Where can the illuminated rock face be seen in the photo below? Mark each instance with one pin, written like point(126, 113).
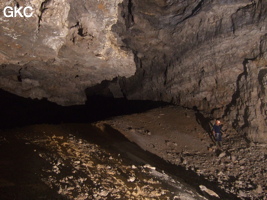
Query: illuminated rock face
point(205, 54)
point(64, 48)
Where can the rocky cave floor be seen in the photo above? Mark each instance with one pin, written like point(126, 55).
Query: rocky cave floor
point(174, 134)
point(101, 161)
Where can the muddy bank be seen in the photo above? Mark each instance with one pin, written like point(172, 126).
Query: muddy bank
point(183, 137)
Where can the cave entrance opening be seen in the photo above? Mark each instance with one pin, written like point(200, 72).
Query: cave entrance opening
point(18, 111)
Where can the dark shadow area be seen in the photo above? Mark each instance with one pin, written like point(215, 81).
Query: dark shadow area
point(18, 111)
point(205, 122)
point(20, 168)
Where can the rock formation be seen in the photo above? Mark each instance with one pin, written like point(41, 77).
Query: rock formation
point(64, 48)
point(210, 55)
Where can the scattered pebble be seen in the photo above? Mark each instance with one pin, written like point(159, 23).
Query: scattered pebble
point(209, 191)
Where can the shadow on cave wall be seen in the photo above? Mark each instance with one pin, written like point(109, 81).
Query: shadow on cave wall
point(205, 122)
point(18, 111)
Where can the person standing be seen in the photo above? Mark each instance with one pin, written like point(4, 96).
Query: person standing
point(217, 131)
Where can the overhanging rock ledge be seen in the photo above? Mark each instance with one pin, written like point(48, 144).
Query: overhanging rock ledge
point(210, 55)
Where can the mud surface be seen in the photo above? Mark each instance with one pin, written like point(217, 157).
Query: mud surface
point(183, 137)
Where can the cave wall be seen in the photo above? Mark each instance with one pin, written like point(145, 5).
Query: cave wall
point(203, 54)
point(64, 48)
point(208, 54)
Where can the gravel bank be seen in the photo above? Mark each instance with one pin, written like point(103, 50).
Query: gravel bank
point(180, 136)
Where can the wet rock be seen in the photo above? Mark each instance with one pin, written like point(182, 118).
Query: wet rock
point(147, 132)
point(70, 188)
point(259, 189)
point(56, 170)
point(233, 158)
point(131, 179)
point(149, 167)
point(167, 142)
point(184, 161)
point(242, 194)
point(208, 191)
point(242, 161)
point(220, 173)
point(104, 193)
point(223, 154)
point(134, 167)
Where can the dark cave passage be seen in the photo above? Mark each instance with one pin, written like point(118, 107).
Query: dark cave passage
point(18, 111)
